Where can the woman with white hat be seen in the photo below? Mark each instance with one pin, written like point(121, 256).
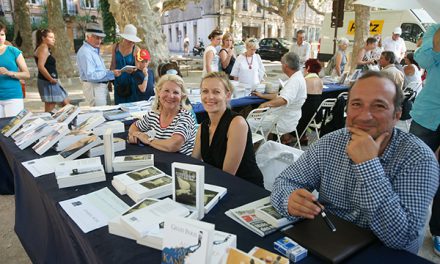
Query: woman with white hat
point(124, 54)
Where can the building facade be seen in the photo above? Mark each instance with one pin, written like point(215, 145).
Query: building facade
point(198, 20)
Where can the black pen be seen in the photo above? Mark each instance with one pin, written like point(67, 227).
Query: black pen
point(326, 219)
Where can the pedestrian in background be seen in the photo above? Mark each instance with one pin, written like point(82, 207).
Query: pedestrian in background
point(227, 56)
point(211, 59)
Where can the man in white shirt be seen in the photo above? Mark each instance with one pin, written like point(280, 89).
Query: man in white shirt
point(395, 44)
point(287, 104)
point(387, 62)
point(301, 48)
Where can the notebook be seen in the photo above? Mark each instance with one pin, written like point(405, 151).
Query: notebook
point(336, 246)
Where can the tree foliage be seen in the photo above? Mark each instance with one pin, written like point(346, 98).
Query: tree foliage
point(108, 22)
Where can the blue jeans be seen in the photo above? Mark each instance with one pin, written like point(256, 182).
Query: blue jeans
point(432, 139)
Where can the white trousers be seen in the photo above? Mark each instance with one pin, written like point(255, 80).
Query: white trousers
point(10, 107)
point(95, 93)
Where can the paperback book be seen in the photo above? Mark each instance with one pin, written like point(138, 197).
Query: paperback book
point(237, 256)
point(121, 181)
point(140, 222)
point(270, 215)
point(115, 226)
point(220, 246)
point(245, 215)
point(132, 162)
point(16, 122)
point(90, 123)
point(116, 115)
point(267, 256)
point(187, 241)
point(80, 147)
point(26, 128)
point(109, 151)
point(67, 114)
point(188, 186)
point(79, 172)
point(153, 187)
point(115, 126)
point(60, 130)
point(29, 138)
point(70, 138)
point(118, 145)
point(84, 115)
point(213, 194)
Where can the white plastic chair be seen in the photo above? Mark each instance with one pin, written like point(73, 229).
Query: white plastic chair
point(325, 106)
point(257, 116)
point(275, 131)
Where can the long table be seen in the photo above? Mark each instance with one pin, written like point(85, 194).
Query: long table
point(50, 236)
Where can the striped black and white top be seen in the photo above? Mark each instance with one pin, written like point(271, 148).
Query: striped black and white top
point(182, 124)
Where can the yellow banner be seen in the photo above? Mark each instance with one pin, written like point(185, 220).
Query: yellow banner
point(375, 27)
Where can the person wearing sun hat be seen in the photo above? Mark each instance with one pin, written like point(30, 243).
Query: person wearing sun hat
point(143, 76)
point(124, 54)
point(92, 71)
point(395, 44)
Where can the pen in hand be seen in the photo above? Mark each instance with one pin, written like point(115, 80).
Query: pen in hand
point(325, 217)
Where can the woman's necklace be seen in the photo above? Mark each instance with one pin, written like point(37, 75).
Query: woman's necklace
point(250, 64)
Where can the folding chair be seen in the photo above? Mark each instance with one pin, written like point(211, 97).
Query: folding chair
point(257, 116)
point(413, 86)
point(325, 107)
point(410, 96)
point(275, 129)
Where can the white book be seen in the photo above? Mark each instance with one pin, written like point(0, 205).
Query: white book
point(15, 122)
point(132, 162)
point(67, 114)
point(60, 130)
point(220, 246)
point(155, 188)
point(118, 145)
point(91, 123)
point(80, 147)
point(84, 115)
point(127, 68)
point(141, 221)
point(79, 172)
point(94, 210)
point(188, 186)
point(116, 127)
point(70, 138)
point(121, 181)
point(116, 114)
point(187, 240)
point(115, 226)
point(27, 127)
point(62, 111)
point(109, 151)
point(245, 215)
point(213, 194)
point(41, 131)
point(42, 166)
point(270, 215)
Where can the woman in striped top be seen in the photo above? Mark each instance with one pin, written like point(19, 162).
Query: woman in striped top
point(169, 126)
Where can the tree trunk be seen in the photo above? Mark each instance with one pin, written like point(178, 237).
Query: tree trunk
point(146, 18)
point(362, 26)
point(22, 28)
point(231, 26)
point(288, 25)
point(63, 47)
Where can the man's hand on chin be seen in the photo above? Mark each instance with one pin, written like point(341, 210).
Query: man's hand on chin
point(362, 147)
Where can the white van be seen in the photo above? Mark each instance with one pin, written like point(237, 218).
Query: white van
point(413, 22)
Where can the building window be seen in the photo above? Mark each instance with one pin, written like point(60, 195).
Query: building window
point(170, 33)
point(35, 2)
point(227, 3)
point(89, 4)
point(245, 5)
point(258, 7)
point(178, 34)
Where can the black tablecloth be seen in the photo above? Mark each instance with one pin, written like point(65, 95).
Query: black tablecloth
point(50, 236)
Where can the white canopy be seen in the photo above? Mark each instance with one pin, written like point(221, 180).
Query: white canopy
point(430, 6)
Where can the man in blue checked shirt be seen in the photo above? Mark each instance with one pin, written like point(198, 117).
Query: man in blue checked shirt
point(92, 71)
point(368, 173)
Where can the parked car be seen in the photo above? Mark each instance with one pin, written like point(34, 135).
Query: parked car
point(273, 48)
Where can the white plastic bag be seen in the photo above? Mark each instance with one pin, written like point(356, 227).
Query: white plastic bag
point(272, 158)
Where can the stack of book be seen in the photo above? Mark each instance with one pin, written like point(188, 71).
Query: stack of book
point(246, 216)
point(79, 172)
point(118, 145)
point(15, 122)
point(60, 130)
point(28, 138)
point(132, 162)
point(116, 115)
point(80, 147)
point(27, 126)
point(115, 126)
point(122, 181)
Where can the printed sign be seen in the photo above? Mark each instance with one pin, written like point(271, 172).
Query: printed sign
point(375, 27)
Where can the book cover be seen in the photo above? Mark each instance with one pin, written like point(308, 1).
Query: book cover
point(187, 241)
point(237, 256)
point(267, 256)
point(220, 246)
point(68, 115)
point(26, 128)
point(60, 130)
point(84, 115)
point(15, 122)
point(80, 147)
point(70, 138)
point(213, 194)
point(156, 187)
point(269, 214)
point(188, 186)
point(29, 138)
point(245, 215)
point(121, 181)
point(116, 127)
point(115, 115)
point(91, 123)
point(109, 151)
point(98, 150)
